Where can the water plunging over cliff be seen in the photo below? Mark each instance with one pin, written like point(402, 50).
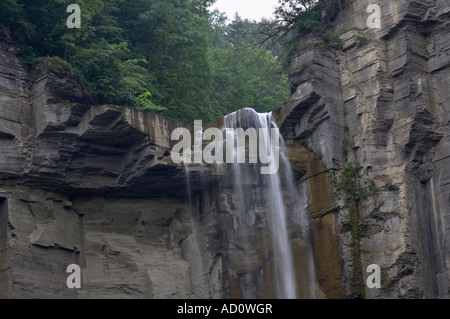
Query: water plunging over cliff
point(259, 201)
point(259, 208)
point(245, 174)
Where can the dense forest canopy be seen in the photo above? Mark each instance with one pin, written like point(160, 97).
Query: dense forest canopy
point(174, 56)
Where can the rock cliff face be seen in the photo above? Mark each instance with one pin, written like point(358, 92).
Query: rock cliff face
point(95, 185)
point(379, 99)
point(89, 186)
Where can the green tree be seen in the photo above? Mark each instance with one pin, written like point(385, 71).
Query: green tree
point(173, 56)
point(248, 78)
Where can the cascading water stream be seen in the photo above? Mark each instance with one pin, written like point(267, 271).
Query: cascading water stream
point(284, 266)
point(275, 190)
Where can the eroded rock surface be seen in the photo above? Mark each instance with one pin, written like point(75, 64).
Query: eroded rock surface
point(94, 185)
point(88, 185)
point(383, 94)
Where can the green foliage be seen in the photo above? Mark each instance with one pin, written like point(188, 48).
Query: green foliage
point(310, 20)
point(346, 144)
point(347, 140)
point(304, 143)
point(56, 62)
point(363, 40)
point(172, 56)
point(113, 75)
point(247, 77)
point(294, 17)
point(350, 185)
point(373, 189)
point(303, 15)
point(145, 103)
point(333, 38)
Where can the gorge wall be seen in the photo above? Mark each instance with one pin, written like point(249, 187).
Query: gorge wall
point(378, 99)
point(95, 185)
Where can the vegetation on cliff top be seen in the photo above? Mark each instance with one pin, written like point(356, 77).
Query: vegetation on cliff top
point(174, 56)
point(169, 55)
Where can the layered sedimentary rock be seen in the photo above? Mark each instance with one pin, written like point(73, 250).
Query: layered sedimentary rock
point(378, 98)
point(94, 185)
point(87, 185)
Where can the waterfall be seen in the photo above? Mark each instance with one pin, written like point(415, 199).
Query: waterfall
point(273, 192)
point(271, 186)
